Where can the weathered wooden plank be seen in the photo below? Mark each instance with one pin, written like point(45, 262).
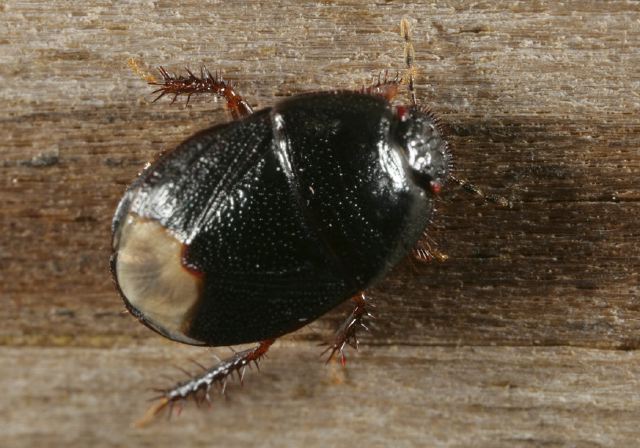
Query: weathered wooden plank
point(542, 100)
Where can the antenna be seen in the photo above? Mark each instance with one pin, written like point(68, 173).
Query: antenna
point(409, 56)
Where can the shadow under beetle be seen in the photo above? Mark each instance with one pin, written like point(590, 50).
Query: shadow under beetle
point(252, 229)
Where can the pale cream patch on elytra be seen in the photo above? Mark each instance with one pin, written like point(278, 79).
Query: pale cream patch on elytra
point(152, 277)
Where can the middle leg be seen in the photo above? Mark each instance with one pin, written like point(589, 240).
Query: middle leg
point(346, 333)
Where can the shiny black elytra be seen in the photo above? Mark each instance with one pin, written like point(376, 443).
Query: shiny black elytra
point(251, 229)
point(270, 221)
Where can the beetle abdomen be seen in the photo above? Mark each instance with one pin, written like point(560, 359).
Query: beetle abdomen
point(152, 277)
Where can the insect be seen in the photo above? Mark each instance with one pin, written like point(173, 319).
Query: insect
point(251, 229)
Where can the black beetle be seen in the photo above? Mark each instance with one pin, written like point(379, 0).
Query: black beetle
point(251, 229)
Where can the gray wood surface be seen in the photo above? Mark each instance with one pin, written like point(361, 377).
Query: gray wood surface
point(526, 336)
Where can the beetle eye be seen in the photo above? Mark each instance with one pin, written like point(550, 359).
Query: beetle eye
point(402, 112)
point(435, 186)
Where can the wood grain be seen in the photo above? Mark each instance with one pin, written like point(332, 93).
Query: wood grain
point(392, 396)
point(543, 101)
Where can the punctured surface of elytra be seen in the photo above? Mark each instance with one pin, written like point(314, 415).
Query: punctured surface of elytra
point(253, 228)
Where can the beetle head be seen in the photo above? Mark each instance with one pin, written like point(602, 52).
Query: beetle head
point(424, 146)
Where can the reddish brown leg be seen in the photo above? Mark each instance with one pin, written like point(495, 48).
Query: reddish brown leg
point(346, 334)
point(383, 86)
point(191, 84)
point(199, 386)
point(426, 250)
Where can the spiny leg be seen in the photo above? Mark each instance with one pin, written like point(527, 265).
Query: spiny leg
point(383, 86)
point(191, 84)
point(388, 88)
point(346, 333)
point(199, 386)
point(426, 250)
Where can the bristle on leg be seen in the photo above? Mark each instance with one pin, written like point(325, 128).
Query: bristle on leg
point(347, 333)
point(383, 86)
point(198, 386)
point(192, 84)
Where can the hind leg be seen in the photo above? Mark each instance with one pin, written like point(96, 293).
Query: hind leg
point(199, 386)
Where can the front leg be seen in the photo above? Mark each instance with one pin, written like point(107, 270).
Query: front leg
point(426, 250)
point(191, 84)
